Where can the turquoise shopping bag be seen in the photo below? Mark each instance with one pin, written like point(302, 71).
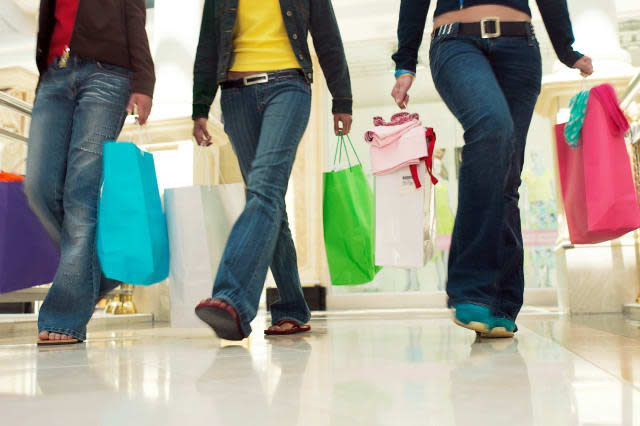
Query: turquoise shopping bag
point(133, 246)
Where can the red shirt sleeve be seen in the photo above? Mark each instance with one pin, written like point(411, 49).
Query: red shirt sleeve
point(65, 14)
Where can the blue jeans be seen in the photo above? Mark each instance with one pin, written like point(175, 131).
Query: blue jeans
point(265, 123)
point(77, 109)
point(491, 86)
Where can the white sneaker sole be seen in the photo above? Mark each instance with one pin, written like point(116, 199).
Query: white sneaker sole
point(478, 327)
point(498, 333)
point(483, 330)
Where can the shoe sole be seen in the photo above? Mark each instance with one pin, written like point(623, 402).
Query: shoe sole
point(478, 327)
point(221, 321)
point(58, 342)
point(498, 333)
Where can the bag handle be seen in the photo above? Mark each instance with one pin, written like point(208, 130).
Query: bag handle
point(578, 109)
point(142, 137)
point(343, 145)
point(204, 156)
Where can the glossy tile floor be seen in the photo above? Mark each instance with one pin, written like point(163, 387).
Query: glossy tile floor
point(403, 368)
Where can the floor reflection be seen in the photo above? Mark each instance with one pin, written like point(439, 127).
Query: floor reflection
point(478, 384)
point(353, 370)
point(285, 365)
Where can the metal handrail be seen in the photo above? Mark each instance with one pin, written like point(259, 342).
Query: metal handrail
point(631, 91)
point(15, 104)
point(14, 137)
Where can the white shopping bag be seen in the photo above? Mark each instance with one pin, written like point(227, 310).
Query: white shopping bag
point(405, 219)
point(199, 220)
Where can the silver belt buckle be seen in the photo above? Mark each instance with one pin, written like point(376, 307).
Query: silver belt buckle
point(483, 27)
point(259, 78)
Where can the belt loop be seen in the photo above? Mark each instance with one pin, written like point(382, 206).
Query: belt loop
point(455, 29)
point(530, 35)
point(447, 30)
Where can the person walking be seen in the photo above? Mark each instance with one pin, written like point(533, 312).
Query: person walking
point(95, 67)
point(257, 52)
point(486, 65)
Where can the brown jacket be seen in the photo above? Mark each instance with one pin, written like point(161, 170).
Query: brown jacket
point(110, 31)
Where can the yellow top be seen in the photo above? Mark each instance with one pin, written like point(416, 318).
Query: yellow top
point(260, 40)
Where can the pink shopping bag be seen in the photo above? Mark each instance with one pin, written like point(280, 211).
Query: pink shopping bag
point(600, 199)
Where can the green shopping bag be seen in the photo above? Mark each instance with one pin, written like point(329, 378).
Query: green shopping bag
point(348, 222)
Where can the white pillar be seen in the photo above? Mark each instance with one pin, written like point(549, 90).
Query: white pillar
point(18, 41)
point(595, 26)
point(176, 29)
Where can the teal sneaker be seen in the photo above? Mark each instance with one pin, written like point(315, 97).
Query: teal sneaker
point(501, 328)
point(473, 317)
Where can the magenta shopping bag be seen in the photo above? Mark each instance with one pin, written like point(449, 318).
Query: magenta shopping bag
point(28, 257)
point(600, 199)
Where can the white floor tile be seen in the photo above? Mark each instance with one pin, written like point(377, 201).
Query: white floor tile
point(348, 371)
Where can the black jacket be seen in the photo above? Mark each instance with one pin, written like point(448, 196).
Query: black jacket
point(214, 56)
point(110, 31)
point(413, 16)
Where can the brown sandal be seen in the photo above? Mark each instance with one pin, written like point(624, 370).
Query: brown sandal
point(297, 328)
point(47, 342)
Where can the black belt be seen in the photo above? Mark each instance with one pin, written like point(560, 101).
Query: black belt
point(488, 28)
point(261, 78)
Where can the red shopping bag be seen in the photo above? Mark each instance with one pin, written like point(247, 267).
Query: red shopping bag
point(600, 199)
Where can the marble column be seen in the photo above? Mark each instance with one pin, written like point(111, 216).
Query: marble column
point(175, 31)
point(595, 27)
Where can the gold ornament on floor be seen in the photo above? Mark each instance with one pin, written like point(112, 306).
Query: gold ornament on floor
point(128, 307)
point(114, 305)
point(121, 303)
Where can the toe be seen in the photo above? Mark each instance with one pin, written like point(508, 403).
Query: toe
point(286, 326)
point(44, 335)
